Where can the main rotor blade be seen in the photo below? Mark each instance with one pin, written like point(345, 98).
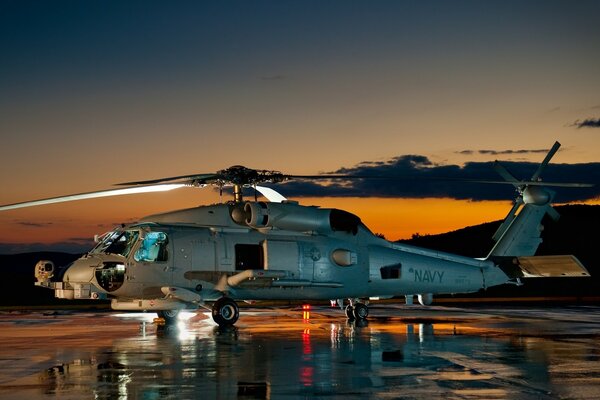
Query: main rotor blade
point(535, 183)
point(513, 181)
point(194, 177)
point(549, 156)
point(245, 176)
point(271, 195)
point(93, 195)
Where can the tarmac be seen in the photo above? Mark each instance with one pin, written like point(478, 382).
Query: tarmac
point(400, 352)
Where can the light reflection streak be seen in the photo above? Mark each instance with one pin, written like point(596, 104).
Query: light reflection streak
point(306, 371)
point(386, 358)
point(150, 316)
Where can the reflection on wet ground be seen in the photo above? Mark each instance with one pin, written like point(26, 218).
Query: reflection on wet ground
point(402, 352)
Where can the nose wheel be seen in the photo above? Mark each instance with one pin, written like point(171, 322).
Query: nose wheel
point(225, 311)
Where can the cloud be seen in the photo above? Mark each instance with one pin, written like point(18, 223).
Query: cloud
point(34, 224)
point(81, 240)
point(587, 123)
point(414, 176)
point(65, 247)
point(502, 152)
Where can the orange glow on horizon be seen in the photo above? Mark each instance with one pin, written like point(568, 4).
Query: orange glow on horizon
point(401, 218)
point(394, 218)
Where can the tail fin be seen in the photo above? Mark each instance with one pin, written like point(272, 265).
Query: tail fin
point(520, 233)
point(523, 235)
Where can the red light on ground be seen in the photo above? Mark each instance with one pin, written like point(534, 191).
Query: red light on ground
point(306, 375)
point(306, 346)
point(306, 312)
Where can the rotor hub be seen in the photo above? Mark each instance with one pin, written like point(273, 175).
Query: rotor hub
point(240, 175)
point(536, 195)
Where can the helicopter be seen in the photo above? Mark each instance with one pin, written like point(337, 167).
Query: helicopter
point(214, 256)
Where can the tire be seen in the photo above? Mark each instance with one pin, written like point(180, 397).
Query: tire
point(350, 312)
point(170, 316)
point(225, 311)
point(361, 311)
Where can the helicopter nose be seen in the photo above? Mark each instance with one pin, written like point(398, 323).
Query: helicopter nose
point(81, 270)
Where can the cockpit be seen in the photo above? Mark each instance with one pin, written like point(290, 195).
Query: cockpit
point(152, 244)
point(139, 243)
point(119, 242)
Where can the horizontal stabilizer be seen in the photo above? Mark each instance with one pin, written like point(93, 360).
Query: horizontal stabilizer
point(551, 266)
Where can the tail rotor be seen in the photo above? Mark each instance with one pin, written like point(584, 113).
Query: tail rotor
point(533, 201)
point(529, 192)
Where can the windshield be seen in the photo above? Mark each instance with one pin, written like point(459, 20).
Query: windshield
point(117, 242)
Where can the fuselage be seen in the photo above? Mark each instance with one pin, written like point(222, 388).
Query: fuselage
point(287, 252)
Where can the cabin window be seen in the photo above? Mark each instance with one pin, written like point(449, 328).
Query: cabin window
point(249, 256)
point(153, 248)
point(391, 271)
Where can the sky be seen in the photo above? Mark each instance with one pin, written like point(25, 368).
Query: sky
point(93, 93)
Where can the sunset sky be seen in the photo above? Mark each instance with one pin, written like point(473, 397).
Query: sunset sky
point(94, 93)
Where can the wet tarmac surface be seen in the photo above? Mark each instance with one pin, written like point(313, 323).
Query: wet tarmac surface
point(403, 352)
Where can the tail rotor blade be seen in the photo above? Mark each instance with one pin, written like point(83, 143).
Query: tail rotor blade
point(503, 172)
point(542, 166)
point(552, 213)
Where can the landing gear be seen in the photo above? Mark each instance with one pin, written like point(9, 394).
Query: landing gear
point(350, 312)
point(225, 311)
point(170, 316)
point(361, 311)
point(357, 311)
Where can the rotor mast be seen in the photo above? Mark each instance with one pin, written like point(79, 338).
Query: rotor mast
point(237, 193)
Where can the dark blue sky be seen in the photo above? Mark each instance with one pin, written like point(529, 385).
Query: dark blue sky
point(98, 92)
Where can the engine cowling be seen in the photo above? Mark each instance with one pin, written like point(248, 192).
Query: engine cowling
point(257, 215)
point(294, 217)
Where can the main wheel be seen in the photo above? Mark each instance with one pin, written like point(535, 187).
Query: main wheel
point(350, 312)
point(225, 311)
point(361, 311)
point(170, 316)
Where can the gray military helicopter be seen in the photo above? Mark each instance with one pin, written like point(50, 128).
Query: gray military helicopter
point(215, 255)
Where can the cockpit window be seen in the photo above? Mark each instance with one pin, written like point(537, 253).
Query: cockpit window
point(117, 242)
point(153, 248)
